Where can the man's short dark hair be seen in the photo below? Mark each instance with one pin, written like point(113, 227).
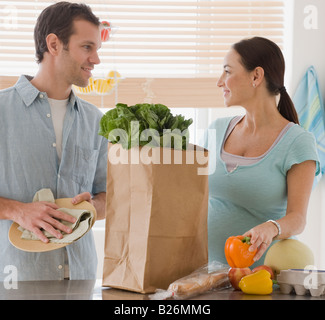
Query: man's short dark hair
point(58, 19)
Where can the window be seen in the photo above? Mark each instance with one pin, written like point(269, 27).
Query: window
point(167, 51)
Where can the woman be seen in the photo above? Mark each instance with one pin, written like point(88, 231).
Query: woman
point(265, 163)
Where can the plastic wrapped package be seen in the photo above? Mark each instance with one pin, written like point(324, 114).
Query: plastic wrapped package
point(212, 276)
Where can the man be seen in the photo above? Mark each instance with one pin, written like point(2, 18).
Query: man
point(49, 139)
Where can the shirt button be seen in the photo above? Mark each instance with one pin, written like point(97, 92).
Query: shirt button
point(41, 95)
point(48, 115)
point(53, 144)
point(59, 176)
point(60, 266)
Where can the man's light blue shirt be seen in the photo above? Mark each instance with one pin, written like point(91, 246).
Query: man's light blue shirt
point(29, 162)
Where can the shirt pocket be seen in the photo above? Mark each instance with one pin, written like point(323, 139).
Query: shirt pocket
point(84, 167)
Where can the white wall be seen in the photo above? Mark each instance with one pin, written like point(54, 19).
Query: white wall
point(307, 28)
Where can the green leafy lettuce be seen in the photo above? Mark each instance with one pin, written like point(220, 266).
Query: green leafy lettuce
point(145, 124)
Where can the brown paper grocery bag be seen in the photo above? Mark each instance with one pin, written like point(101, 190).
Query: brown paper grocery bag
point(156, 216)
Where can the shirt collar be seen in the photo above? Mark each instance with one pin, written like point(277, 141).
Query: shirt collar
point(74, 100)
point(29, 93)
point(26, 90)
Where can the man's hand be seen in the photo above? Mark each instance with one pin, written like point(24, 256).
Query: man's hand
point(42, 215)
point(85, 196)
point(98, 201)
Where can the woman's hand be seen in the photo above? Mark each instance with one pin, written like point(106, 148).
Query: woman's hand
point(261, 237)
point(300, 181)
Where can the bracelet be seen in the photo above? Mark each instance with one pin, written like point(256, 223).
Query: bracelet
point(277, 225)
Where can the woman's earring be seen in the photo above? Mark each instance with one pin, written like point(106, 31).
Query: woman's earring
point(254, 85)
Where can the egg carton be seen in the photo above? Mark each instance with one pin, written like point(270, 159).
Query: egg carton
point(302, 281)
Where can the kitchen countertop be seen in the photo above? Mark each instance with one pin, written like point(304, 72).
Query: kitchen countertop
point(92, 290)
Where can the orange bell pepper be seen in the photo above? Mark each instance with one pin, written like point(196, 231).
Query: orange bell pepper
point(237, 253)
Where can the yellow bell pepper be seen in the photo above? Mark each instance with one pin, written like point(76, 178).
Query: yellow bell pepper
point(257, 283)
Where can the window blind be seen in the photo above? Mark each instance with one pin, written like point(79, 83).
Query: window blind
point(166, 51)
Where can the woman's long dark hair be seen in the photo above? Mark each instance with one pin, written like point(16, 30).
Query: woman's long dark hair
point(262, 52)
